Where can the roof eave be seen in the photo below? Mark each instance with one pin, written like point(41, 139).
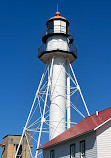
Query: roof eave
point(66, 140)
point(102, 124)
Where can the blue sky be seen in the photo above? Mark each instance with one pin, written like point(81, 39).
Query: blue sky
point(21, 25)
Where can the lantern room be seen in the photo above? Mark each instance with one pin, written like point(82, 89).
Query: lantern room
point(57, 40)
point(56, 24)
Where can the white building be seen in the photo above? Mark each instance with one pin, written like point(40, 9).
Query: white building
point(90, 138)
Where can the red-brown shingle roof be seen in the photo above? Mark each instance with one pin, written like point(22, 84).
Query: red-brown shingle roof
point(86, 125)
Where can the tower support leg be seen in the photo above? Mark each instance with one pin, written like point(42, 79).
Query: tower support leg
point(42, 119)
point(30, 114)
point(78, 87)
point(68, 97)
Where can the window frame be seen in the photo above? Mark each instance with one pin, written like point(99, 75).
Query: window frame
point(83, 141)
point(74, 150)
point(19, 154)
point(53, 153)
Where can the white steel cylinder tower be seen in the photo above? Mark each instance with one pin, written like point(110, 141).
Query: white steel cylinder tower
point(58, 46)
point(51, 108)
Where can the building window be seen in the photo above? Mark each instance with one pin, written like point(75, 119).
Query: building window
point(82, 149)
point(72, 151)
point(11, 140)
point(52, 154)
point(19, 154)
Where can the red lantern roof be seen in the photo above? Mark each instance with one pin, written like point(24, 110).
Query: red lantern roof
point(57, 16)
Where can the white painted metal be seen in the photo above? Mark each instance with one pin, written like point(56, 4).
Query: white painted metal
point(58, 99)
point(68, 97)
point(28, 145)
point(42, 119)
point(78, 87)
point(30, 113)
point(97, 113)
point(54, 114)
point(57, 43)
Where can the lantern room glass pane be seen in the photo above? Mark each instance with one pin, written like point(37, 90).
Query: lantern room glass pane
point(67, 28)
point(63, 27)
point(57, 26)
point(50, 27)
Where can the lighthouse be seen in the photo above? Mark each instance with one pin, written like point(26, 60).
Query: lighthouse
point(50, 113)
point(58, 51)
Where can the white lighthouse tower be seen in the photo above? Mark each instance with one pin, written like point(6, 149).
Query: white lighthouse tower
point(58, 44)
point(50, 112)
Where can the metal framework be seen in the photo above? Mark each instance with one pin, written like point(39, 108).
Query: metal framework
point(38, 120)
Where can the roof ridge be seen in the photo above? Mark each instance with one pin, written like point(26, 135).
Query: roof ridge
point(87, 124)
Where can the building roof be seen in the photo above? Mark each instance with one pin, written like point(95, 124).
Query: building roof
point(57, 16)
point(12, 135)
point(86, 125)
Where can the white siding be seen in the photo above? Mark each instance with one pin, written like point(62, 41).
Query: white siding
point(104, 141)
point(63, 150)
